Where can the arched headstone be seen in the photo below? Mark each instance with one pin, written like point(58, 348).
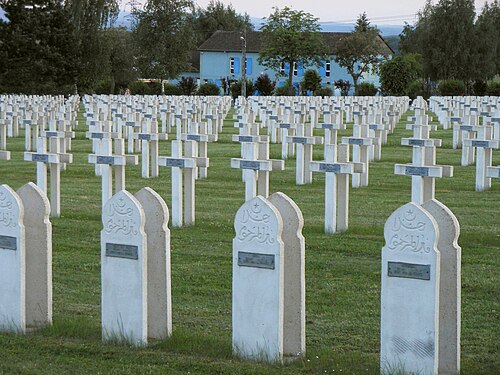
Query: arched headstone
point(159, 274)
point(12, 262)
point(124, 270)
point(38, 243)
point(410, 292)
point(258, 292)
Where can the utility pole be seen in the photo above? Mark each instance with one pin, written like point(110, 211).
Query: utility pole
point(244, 63)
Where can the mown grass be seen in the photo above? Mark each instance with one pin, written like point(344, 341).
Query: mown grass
point(342, 271)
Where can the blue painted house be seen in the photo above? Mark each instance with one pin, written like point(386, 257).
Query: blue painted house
point(221, 60)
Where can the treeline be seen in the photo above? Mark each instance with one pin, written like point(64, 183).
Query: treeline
point(68, 46)
point(450, 50)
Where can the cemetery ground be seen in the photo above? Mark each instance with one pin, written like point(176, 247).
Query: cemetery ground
point(342, 270)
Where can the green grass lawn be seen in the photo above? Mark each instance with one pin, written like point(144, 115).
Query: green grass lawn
point(342, 271)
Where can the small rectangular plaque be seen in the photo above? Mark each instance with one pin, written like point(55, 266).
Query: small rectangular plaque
point(256, 260)
point(27, 122)
point(302, 140)
point(466, 128)
point(129, 123)
point(193, 137)
point(41, 158)
point(122, 251)
point(329, 168)
point(284, 126)
point(105, 160)
point(248, 164)
point(144, 137)
point(148, 115)
point(179, 163)
point(416, 142)
point(356, 141)
point(483, 144)
point(409, 270)
point(51, 134)
point(273, 117)
point(97, 135)
point(373, 126)
point(327, 126)
point(8, 243)
point(245, 138)
point(417, 171)
point(118, 115)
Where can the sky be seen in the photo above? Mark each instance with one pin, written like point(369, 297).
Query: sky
point(378, 11)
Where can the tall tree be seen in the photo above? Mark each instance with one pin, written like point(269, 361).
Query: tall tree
point(163, 36)
point(359, 52)
point(487, 46)
point(218, 16)
point(38, 48)
point(291, 37)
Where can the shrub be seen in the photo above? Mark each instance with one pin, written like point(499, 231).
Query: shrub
point(103, 87)
point(138, 88)
point(236, 89)
point(171, 89)
point(264, 85)
point(493, 89)
point(187, 86)
point(154, 88)
point(343, 85)
point(208, 89)
point(285, 90)
point(451, 87)
point(324, 91)
point(311, 81)
point(480, 87)
point(366, 89)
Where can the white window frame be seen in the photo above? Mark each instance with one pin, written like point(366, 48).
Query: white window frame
point(231, 65)
point(295, 69)
point(328, 69)
point(282, 67)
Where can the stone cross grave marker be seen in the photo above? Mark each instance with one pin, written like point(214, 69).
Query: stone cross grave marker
point(149, 138)
point(183, 182)
point(198, 133)
point(124, 270)
point(336, 185)
point(4, 154)
point(304, 141)
point(159, 293)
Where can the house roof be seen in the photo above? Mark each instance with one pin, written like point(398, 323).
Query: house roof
point(230, 41)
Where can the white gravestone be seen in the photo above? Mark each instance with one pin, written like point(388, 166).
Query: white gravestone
point(159, 274)
point(124, 270)
point(294, 315)
point(410, 292)
point(38, 244)
point(450, 285)
point(258, 275)
point(12, 262)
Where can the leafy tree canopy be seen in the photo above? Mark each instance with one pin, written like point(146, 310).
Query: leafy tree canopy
point(291, 36)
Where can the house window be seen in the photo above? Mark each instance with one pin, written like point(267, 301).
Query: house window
point(282, 68)
point(231, 65)
point(327, 69)
point(295, 70)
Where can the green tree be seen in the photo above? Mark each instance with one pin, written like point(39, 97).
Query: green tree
point(264, 85)
point(397, 74)
point(487, 46)
point(163, 36)
point(311, 81)
point(291, 37)
point(218, 16)
point(38, 48)
point(359, 53)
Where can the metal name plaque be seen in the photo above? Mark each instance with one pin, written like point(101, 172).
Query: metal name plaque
point(97, 135)
point(179, 163)
point(256, 260)
point(273, 117)
point(41, 158)
point(356, 141)
point(466, 128)
point(8, 243)
point(483, 144)
point(329, 168)
point(129, 123)
point(244, 138)
point(27, 122)
point(105, 160)
point(416, 142)
point(373, 126)
point(144, 137)
point(193, 137)
point(327, 126)
point(302, 140)
point(51, 134)
point(409, 270)
point(122, 251)
point(417, 171)
point(247, 164)
point(284, 126)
